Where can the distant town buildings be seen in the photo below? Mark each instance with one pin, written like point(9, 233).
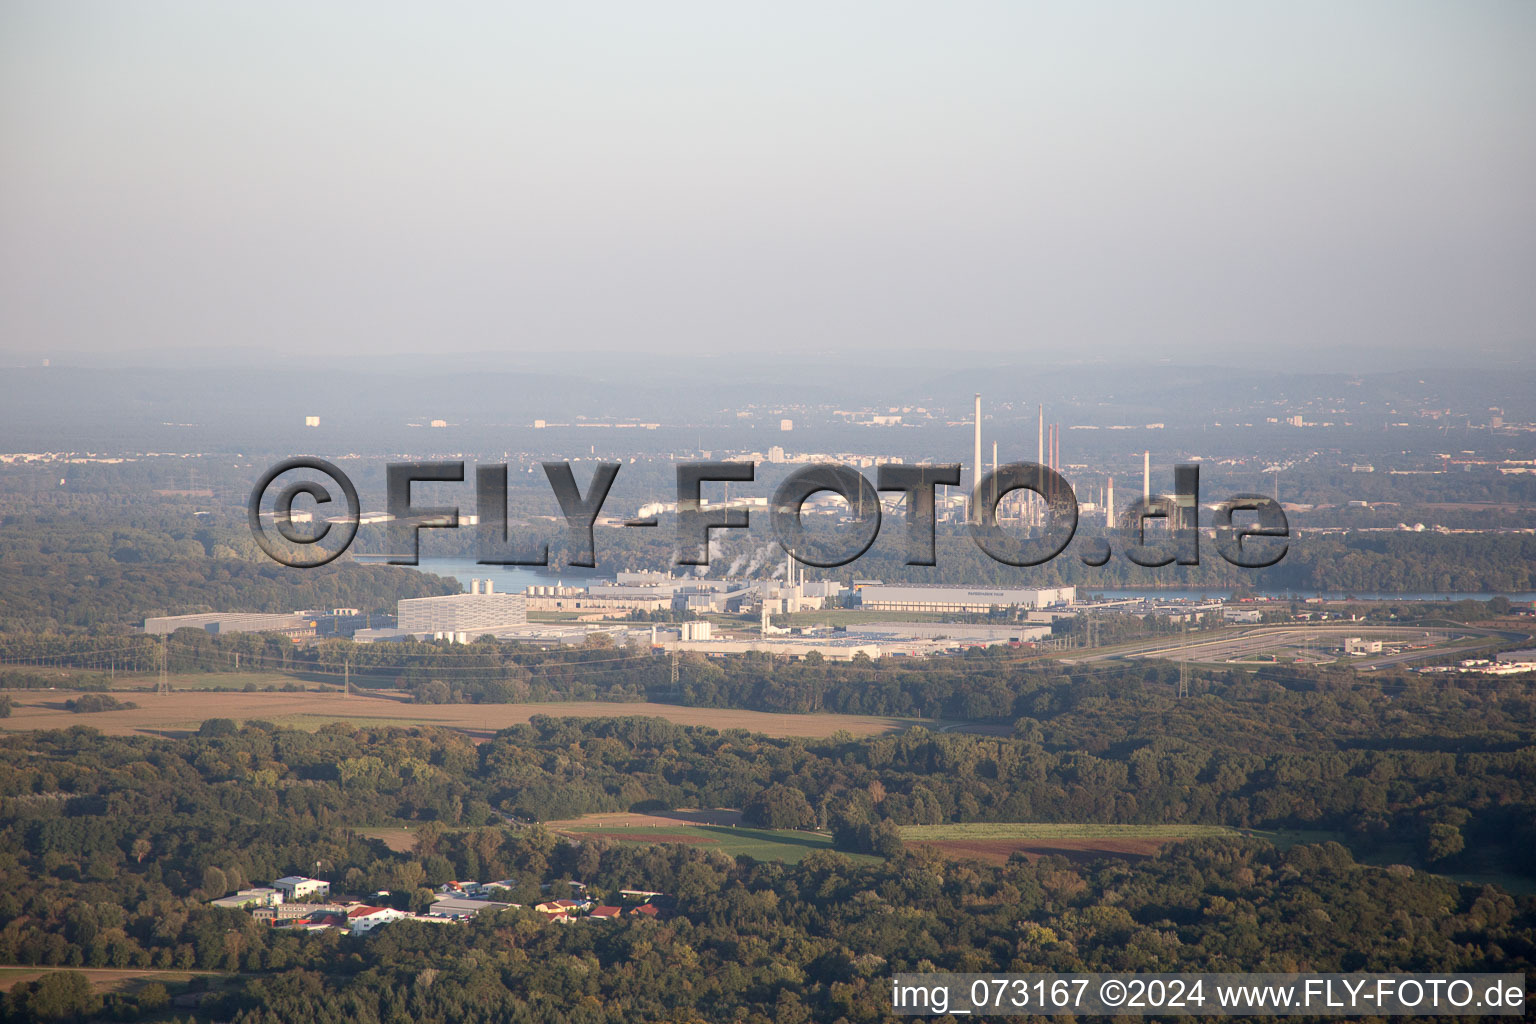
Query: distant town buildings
point(455, 902)
point(1507, 663)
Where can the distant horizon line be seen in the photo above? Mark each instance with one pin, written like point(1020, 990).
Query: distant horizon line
point(954, 360)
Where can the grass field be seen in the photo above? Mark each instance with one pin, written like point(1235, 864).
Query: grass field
point(182, 711)
point(398, 838)
point(1045, 830)
point(219, 681)
point(786, 845)
point(996, 842)
point(105, 980)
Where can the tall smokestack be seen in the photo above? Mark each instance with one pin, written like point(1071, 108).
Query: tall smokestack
point(1109, 504)
point(1040, 459)
point(993, 496)
point(1146, 477)
point(976, 482)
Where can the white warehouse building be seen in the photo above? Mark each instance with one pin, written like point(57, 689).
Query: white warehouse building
point(297, 888)
point(881, 597)
point(475, 612)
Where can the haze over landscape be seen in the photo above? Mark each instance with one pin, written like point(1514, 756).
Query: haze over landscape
point(1248, 185)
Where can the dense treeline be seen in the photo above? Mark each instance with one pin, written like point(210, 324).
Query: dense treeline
point(56, 574)
point(996, 684)
point(435, 672)
point(1384, 765)
point(109, 846)
point(763, 942)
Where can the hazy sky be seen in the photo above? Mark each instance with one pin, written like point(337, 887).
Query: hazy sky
point(1218, 181)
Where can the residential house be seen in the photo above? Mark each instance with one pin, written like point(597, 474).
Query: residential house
point(363, 919)
point(555, 908)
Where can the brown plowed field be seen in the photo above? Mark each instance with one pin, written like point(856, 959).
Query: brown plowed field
point(997, 851)
point(180, 713)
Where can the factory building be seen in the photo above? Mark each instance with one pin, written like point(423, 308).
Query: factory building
point(581, 599)
point(296, 888)
point(887, 598)
point(959, 634)
point(707, 597)
point(535, 634)
point(479, 611)
point(297, 627)
point(687, 632)
point(843, 648)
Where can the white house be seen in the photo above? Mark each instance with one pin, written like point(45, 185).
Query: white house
point(364, 919)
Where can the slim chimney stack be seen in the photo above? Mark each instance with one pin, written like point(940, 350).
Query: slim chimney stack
point(993, 495)
point(1040, 459)
point(976, 481)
